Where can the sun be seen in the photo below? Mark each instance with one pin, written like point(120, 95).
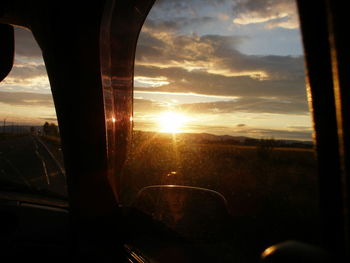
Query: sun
point(171, 122)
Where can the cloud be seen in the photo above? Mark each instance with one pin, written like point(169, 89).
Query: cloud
point(25, 44)
point(212, 54)
point(238, 130)
point(247, 105)
point(250, 105)
point(151, 82)
point(188, 51)
point(25, 77)
point(146, 110)
point(184, 5)
point(28, 71)
point(49, 119)
point(271, 13)
point(201, 82)
point(26, 99)
point(175, 23)
point(274, 13)
point(142, 106)
point(212, 65)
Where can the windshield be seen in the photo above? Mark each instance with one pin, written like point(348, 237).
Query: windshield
point(31, 160)
point(220, 104)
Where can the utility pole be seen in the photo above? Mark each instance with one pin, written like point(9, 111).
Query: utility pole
point(3, 127)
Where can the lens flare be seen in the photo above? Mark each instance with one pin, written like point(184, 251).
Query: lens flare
point(171, 122)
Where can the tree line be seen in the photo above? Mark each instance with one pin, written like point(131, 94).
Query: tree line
point(50, 129)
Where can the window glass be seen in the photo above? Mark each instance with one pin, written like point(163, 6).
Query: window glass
point(222, 143)
point(31, 159)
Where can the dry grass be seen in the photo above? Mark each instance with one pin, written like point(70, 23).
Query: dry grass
point(276, 188)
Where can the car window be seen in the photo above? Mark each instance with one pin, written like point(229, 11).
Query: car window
point(31, 159)
point(223, 138)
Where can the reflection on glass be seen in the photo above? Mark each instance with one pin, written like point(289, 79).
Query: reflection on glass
point(220, 103)
point(31, 160)
point(192, 212)
point(175, 202)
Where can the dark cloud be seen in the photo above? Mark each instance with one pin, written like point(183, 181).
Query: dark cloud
point(275, 13)
point(149, 47)
point(181, 48)
point(26, 99)
point(164, 25)
point(225, 53)
point(222, 71)
point(177, 23)
point(184, 5)
point(213, 65)
point(251, 105)
point(201, 82)
point(28, 71)
point(214, 53)
point(25, 44)
point(262, 7)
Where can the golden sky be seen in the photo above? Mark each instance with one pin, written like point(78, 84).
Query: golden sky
point(231, 67)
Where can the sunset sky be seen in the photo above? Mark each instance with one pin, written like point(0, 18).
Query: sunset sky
point(226, 66)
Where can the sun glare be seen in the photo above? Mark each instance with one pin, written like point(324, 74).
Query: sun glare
point(171, 122)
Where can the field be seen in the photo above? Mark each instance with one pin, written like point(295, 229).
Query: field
point(273, 190)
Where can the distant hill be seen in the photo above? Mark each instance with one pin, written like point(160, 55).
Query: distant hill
point(205, 138)
point(226, 139)
point(201, 137)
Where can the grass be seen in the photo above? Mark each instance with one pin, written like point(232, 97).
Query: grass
point(275, 188)
point(7, 136)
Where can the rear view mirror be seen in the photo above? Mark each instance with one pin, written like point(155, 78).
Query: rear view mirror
point(7, 49)
point(193, 212)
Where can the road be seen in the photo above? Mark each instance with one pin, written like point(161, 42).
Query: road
point(26, 163)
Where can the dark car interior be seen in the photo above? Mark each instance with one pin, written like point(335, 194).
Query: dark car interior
point(98, 39)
